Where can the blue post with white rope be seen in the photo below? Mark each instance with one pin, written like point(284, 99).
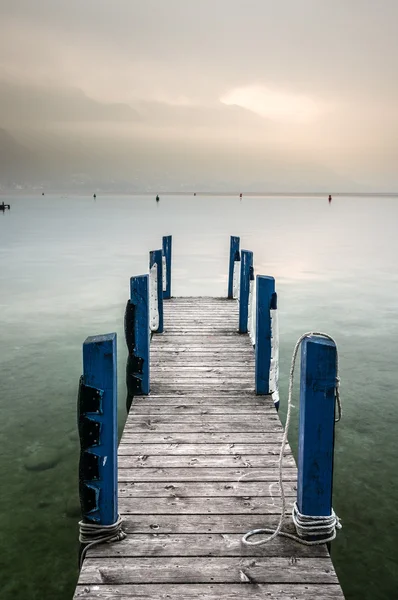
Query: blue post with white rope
point(245, 266)
point(167, 241)
point(264, 303)
point(97, 421)
point(155, 257)
point(234, 248)
point(316, 426)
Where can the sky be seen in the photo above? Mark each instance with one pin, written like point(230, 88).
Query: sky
point(211, 94)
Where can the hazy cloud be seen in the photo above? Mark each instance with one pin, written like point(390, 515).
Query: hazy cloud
point(309, 83)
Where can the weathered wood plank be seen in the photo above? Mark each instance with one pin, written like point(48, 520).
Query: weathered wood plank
point(176, 524)
point(208, 489)
point(270, 420)
point(238, 505)
point(212, 591)
point(208, 570)
point(209, 544)
point(185, 409)
point(142, 402)
point(208, 461)
point(201, 438)
point(171, 449)
point(170, 425)
point(195, 474)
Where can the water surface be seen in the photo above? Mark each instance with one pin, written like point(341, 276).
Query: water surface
point(64, 275)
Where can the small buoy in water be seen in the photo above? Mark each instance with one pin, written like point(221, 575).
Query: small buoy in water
point(240, 195)
point(157, 198)
point(194, 193)
point(94, 195)
point(42, 193)
point(330, 198)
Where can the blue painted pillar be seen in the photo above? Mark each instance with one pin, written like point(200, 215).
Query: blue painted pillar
point(155, 256)
point(167, 242)
point(316, 426)
point(97, 421)
point(264, 302)
point(234, 248)
point(245, 268)
point(136, 326)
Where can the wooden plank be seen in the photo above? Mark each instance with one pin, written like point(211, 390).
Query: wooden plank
point(207, 570)
point(182, 409)
point(208, 489)
point(272, 420)
point(201, 438)
point(211, 591)
point(199, 402)
point(238, 505)
point(210, 460)
point(172, 449)
point(209, 544)
point(203, 523)
point(169, 425)
point(195, 474)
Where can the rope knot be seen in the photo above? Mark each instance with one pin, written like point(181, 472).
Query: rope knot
point(92, 534)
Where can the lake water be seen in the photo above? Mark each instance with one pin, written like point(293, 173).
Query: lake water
point(65, 265)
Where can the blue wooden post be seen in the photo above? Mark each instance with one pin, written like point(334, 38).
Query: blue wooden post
point(245, 267)
point(316, 426)
point(97, 420)
point(167, 241)
point(155, 256)
point(234, 248)
point(264, 302)
point(136, 326)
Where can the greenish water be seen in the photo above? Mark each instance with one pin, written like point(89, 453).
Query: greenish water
point(65, 265)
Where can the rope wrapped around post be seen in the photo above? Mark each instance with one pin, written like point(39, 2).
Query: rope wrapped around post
point(311, 529)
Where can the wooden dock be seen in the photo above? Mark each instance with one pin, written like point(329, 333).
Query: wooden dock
point(197, 470)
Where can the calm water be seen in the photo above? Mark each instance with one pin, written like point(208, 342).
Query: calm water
point(65, 265)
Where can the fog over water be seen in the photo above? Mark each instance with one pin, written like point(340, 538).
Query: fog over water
point(222, 95)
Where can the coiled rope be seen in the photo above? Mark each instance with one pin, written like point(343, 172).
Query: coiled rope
point(93, 534)
point(305, 524)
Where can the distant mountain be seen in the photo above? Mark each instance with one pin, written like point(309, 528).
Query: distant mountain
point(16, 161)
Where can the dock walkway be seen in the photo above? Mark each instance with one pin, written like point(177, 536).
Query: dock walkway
point(197, 470)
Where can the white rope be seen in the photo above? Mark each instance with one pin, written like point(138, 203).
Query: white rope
point(236, 280)
point(305, 524)
point(93, 534)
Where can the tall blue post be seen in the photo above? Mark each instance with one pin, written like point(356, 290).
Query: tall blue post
point(245, 269)
point(97, 421)
point(155, 256)
point(234, 248)
point(316, 426)
point(264, 302)
point(136, 326)
point(167, 241)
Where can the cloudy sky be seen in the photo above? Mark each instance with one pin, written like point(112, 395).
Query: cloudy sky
point(294, 94)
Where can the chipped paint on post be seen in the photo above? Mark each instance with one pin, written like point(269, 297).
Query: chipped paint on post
point(274, 365)
point(164, 272)
point(236, 276)
point(155, 258)
point(153, 298)
point(166, 247)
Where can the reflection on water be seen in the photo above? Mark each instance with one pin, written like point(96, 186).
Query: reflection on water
point(64, 275)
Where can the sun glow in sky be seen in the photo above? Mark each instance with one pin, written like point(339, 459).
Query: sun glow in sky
point(273, 104)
